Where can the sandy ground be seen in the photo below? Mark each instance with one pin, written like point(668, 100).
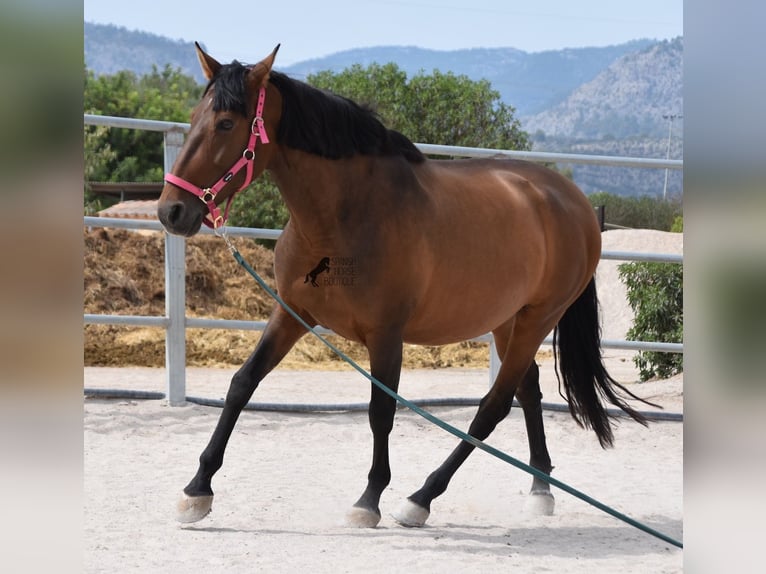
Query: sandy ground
point(288, 479)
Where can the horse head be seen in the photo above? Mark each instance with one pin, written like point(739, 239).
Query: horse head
point(227, 146)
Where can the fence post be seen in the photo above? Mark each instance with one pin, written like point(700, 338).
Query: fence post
point(601, 213)
point(175, 295)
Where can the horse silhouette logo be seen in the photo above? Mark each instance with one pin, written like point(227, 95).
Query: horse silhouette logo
point(324, 265)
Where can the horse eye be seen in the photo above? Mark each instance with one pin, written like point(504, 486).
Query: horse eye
point(224, 125)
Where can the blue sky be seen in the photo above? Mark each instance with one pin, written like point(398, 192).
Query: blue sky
point(248, 30)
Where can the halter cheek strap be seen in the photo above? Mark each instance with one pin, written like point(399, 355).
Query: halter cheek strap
point(207, 195)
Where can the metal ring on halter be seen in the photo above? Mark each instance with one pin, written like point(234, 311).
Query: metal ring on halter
point(207, 195)
point(253, 130)
point(251, 155)
point(218, 222)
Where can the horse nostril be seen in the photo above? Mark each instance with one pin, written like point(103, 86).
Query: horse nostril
point(171, 213)
point(176, 211)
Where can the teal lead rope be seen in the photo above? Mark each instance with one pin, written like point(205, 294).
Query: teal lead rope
point(440, 423)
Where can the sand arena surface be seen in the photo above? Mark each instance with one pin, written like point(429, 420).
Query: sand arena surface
point(288, 480)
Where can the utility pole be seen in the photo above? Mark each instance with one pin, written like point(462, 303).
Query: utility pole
point(670, 118)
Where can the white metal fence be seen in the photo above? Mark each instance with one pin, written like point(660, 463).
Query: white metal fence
point(175, 322)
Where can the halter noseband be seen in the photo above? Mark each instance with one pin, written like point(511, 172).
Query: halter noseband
point(214, 219)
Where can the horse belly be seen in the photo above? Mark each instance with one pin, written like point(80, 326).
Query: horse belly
point(466, 304)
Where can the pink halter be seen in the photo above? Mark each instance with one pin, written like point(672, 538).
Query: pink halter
point(214, 219)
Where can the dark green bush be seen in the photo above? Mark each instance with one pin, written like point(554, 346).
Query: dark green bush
point(259, 205)
point(655, 293)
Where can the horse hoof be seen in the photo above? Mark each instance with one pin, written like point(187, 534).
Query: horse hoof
point(411, 515)
point(362, 518)
point(193, 508)
point(539, 503)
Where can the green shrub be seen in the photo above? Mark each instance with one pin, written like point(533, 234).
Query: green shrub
point(655, 293)
point(259, 205)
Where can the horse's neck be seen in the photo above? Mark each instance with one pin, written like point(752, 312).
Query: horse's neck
point(314, 189)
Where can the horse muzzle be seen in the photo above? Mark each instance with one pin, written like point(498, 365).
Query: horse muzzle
point(179, 218)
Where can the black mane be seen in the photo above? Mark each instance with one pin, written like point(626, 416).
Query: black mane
point(230, 88)
point(316, 121)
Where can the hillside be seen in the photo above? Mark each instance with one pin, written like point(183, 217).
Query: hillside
point(620, 112)
point(629, 97)
point(621, 180)
point(111, 49)
point(531, 82)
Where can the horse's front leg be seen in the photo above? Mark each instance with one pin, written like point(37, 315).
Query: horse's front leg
point(279, 336)
point(385, 365)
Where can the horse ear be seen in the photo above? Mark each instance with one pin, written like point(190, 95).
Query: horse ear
point(260, 72)
point(210, 65)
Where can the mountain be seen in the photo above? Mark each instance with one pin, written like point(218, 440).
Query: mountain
point(629, 97)
point(111, 49)
point(623, 111)
point(530, 82)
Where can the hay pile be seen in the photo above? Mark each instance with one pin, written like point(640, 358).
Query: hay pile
point(124, 274)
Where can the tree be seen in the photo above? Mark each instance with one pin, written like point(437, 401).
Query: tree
point(440, 108)
point(97, 154)
point(136, 155)
point(454, 110)
point(380, 88)
point(656, 295)
point(259, 205)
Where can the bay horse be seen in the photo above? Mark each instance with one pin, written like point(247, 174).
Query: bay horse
point(526, 238)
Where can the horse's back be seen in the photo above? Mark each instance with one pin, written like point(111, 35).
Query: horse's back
point(517, 185)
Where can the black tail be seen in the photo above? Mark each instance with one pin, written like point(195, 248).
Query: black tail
point(577, 349)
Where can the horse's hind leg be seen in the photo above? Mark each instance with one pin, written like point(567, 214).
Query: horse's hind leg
point(281, 333)
point(385, 365)
point(540, 500)
point(493, 408)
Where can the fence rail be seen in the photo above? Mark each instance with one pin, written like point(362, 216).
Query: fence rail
point(431, 149)
point(175, 321)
